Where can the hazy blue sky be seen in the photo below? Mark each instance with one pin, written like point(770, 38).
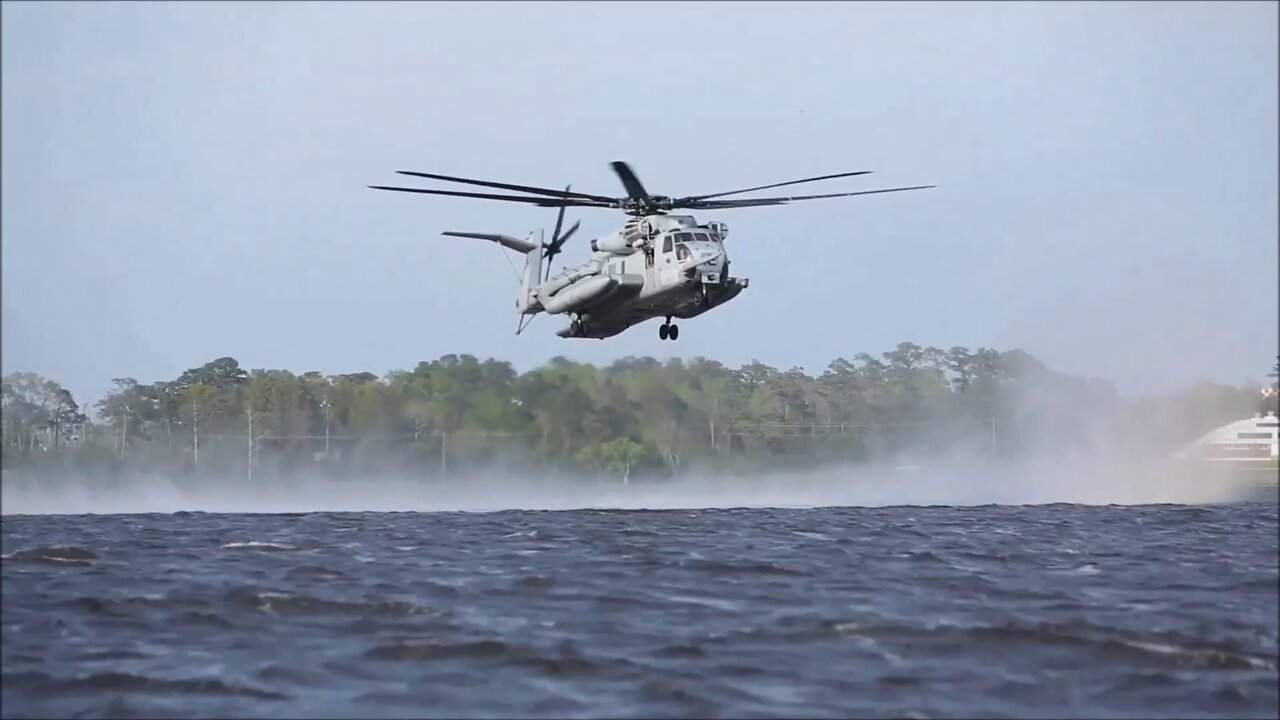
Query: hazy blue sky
point(186, 181)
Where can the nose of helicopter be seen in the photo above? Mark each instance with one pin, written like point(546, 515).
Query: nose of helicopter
point(704, 265)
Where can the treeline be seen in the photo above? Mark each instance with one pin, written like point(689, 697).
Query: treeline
point(637, 415)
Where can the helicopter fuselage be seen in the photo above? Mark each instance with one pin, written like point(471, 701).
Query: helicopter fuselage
point(655, 266)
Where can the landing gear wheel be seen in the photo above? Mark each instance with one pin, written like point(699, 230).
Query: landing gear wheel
point(576, 328)
point(662, 332)
point(674, 332)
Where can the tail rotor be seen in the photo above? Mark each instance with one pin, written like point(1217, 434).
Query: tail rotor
point(557, 240)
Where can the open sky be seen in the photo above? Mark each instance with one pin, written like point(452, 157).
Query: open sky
point(186, 181)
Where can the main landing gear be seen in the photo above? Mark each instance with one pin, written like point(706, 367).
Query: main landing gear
point(668, 330)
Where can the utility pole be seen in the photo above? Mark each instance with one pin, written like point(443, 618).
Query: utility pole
point(249, 410)
point(195, 433)
point(84, 425)
point(715, 408)
point(124, 430)
point(325, 404)
point(444, 440)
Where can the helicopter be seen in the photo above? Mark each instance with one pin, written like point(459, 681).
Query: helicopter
point(657, 265)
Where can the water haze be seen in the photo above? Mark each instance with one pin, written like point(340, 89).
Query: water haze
point(955, 482)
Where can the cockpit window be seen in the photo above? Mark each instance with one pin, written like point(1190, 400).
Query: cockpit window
point(682, 252)
point(704, 237)
point(666, 244)
point(684, 237)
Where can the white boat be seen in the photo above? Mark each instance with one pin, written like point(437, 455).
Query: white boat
point(1254, 440)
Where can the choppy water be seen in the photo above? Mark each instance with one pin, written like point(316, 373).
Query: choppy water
point(1058, 610)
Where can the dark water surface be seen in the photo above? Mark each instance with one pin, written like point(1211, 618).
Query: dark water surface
point(1058, 610)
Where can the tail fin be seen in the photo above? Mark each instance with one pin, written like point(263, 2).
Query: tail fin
point(528, 303)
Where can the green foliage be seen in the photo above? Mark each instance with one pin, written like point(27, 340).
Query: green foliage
point(637, 416)
point(37, 412)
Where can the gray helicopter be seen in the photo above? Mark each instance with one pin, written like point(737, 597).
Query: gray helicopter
point(658, 265)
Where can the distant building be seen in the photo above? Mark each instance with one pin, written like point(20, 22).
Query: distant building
point(1254, 440)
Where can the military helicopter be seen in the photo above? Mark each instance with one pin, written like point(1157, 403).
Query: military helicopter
point(658, 265)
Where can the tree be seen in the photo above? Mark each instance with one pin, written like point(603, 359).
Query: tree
point(634, 413)
point(200, 402)
point(620, 454)
point(26, 409)
point(960, 362)
point(128, 409)
point(220, 374)
point(37, 411)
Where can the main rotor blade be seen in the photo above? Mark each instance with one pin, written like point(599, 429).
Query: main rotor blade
point(509, 186)
point(543, 202)
point(635, 190)
point(727, 204)
point(766, 187)
point(760, 202)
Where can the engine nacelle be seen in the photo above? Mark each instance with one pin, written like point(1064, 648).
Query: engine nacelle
point(613, 243)
point(719, 228)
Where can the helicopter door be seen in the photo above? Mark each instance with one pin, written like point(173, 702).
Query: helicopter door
point(667, 271)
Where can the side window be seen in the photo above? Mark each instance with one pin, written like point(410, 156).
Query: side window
point(666, 244)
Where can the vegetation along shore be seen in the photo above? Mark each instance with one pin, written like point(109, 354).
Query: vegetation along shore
point(634, 417)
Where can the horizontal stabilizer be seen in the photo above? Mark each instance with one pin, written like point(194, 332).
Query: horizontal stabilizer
point(516, 244)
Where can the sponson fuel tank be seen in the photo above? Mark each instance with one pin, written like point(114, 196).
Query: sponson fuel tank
point(580, 294)
point(567, 277)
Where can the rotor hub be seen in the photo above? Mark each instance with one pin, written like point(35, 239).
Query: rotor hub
point(653, 205)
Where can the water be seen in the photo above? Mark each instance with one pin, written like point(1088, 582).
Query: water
point(1055, 610)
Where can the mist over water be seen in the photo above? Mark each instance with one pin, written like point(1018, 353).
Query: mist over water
point(1067, 451)
point(956, 481)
